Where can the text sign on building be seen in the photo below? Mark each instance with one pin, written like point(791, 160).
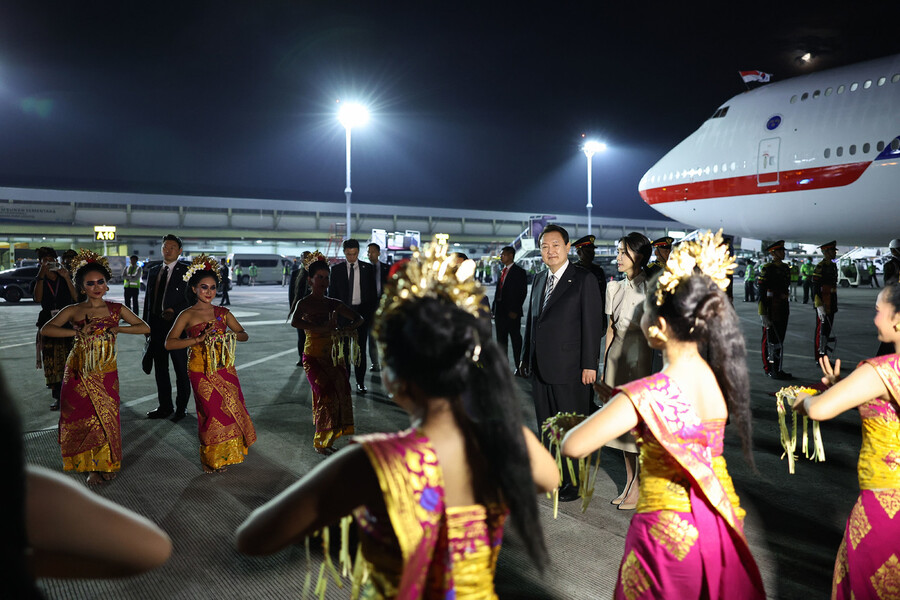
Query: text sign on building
point(105, 233)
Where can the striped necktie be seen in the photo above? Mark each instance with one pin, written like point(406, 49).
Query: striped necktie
point(548, 289)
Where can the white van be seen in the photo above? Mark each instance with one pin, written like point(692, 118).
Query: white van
point(271, 267)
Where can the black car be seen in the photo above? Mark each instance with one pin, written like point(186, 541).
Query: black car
point(18, 283)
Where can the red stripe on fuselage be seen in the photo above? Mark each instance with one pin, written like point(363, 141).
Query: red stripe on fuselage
point(788, 181)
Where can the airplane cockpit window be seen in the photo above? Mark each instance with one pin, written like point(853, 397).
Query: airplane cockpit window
point(720, 113)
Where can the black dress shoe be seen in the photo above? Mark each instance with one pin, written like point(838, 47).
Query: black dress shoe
point(179, 415)
point(785, 375)
point(375, 368)
point(159, 413)
point(361, 389)
point(568, 493)
point(778, 375)
point(55, 405)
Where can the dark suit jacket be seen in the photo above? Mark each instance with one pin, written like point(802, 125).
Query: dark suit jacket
point(297, 288)
point(512, 295)
point(383, 270)
point(564, 338)
point(339, 287)
point(175, 297)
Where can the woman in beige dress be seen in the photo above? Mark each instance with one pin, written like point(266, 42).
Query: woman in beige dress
point(628, 356)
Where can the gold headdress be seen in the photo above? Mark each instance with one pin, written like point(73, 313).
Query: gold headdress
point(203, 263)
point(708, 253)
point(433, 273)
point(313, 257)
point(87, 257)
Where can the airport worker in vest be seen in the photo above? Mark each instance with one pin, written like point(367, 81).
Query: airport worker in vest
point(806, 271)
point(238, 271)
point(253, 271)
point(824, 285)
point(795, 279)
point(132, 276)
point(774, 282)
point(750, 282)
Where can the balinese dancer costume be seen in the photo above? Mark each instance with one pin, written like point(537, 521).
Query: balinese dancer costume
point(868, 562)
point(327, 375)
point(687, 538)
point(89, 433)
point(226, 431)
point(824, 284)
point(422, 548)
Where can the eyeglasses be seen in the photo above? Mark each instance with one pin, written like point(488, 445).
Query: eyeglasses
point(93, 283)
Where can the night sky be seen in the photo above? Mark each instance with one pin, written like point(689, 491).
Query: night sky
point(478, 105)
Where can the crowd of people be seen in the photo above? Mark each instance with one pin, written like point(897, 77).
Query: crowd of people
point(431, 501)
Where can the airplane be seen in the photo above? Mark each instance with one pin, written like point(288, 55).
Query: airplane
point(808, 159)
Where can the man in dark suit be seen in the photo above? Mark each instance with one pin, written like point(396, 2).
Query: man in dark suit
point(298, 289)
point(562, 336)
point(373, 251)
point(164, 300)
point(353, 283)
point(512, 289)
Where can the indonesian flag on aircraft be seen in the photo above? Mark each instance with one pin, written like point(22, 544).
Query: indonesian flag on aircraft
point(749, 76)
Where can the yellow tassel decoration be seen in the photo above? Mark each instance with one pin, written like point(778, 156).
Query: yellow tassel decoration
point(784, 400)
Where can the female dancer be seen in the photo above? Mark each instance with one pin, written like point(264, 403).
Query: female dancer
point(53, 290)
point(687, 539)
point(226, 431)
point(89, 433)
point(866, 564)
point(628, 357)
point(318, 315)
point(430, 501)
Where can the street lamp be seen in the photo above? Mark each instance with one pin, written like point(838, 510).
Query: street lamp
point(351, 115)
point(590, 147)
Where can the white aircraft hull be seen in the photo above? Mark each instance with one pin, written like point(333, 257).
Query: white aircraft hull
point(777, 165)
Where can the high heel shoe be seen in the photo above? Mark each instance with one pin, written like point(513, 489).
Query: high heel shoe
point(617, 501)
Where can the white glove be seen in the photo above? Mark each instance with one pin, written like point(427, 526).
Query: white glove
point(766, 321)
point(820, 310)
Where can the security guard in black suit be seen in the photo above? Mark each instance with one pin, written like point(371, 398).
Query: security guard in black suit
point(774, 284)
point(586, 250)
point(824, 285)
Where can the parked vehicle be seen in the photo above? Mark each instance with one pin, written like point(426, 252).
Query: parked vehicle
point(271, 267)
point(853, 272)
point(18, 283)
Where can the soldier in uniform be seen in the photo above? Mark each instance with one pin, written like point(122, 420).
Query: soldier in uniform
point(824, 286)
point(891, 269)
point(662, 248)
point(774, 282)
point(586, 250)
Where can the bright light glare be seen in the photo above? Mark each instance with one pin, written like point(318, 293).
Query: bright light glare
point(806, 57)
point(352, 115)
point(592, 146)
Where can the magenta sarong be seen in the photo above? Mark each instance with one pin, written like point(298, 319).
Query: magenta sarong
point(687, 538)
point(224, 426)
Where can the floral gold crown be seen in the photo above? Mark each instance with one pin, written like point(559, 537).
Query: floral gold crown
point(313, 257)
point(433, 273)
point(708, 254)
point(87, 257)
point(203, 263)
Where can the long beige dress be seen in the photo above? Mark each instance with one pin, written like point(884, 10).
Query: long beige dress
point(629, 357)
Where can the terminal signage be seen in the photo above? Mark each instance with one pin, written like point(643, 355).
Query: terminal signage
point(105, 233)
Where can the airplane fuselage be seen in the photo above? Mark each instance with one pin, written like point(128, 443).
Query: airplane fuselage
point(809, 159)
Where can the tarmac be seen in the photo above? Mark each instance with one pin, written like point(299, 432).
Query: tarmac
point(794, 522)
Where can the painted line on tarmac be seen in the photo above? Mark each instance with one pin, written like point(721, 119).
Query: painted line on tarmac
point(252, 363)
point(17, 345)
point(274, 322)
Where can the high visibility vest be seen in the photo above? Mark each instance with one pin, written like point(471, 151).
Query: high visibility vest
point(132, 277)
point(253, 270)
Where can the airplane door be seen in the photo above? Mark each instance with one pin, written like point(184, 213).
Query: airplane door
point(767, 162)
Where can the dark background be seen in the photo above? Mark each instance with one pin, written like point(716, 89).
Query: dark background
point(477, 105)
